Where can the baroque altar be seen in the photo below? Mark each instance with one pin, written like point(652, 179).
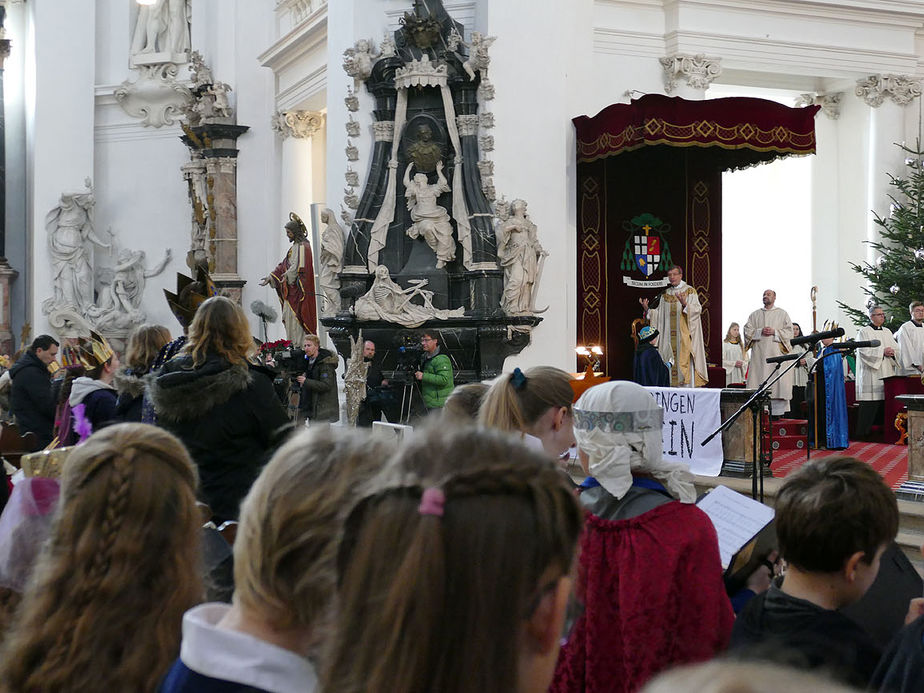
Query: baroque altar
point(427, 244)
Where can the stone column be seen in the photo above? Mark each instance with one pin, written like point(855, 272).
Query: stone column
point(297, 129)
point(7, 273)
point(887, 96)
point(215, 144)
point(689, 76)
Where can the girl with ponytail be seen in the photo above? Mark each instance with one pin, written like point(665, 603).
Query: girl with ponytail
point(454, 571)
point(535, 403)
point(104, 606)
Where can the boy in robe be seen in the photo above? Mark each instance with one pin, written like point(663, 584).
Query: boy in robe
point(648, 368)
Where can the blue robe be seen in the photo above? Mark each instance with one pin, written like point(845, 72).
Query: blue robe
point(648, 368)
point(832, 402)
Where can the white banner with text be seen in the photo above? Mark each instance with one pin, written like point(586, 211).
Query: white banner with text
point(690, 415)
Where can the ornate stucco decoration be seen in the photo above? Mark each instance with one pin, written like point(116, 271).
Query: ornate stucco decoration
point(698, 70)
point(155, 96)
point(902, 89)
point(830, 103)
point(159, 44)
point(354, 379)
point(298, 124)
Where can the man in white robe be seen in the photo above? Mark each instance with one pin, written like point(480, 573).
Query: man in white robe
point(767, 334)
point(910, 338)
point(677, 320)
point(874, 364)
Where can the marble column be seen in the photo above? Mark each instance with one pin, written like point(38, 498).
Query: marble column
point(216, 145)
point(7, 273)
point(887, 96)
point(689, 76)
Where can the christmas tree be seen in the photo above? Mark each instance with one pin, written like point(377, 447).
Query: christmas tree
point(896, 278)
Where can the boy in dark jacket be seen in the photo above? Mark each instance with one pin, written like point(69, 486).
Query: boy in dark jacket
point(834, 519)
point(318, 384)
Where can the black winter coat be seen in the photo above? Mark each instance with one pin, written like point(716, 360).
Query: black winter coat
point(31, 399)
point(229, 418)
point(319, 398)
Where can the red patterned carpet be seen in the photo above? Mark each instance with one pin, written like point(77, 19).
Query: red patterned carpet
point(891, 461)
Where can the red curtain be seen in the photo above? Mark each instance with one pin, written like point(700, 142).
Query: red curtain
point(662, 158)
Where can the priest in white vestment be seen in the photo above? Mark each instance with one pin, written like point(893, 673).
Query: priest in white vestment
point(767, 334)
point(910, 338)
point(874, 364)
point(677, 320)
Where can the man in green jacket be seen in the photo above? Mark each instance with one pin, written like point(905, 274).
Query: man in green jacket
point(435, 374)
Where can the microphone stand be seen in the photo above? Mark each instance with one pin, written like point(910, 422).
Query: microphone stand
point(757, 404)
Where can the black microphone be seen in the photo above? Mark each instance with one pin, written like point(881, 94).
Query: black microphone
point(817, 337)
point(784, 357)
point(850, 344)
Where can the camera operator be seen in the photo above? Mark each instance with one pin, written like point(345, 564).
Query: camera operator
point(371, 408)
point(317, 385)
point(435, 372)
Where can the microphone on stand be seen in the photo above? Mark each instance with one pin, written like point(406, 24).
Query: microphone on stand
point(817, 337)
point(851, 344)
point(784, 357)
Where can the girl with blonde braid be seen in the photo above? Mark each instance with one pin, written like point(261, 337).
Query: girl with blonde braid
point(104, 606)
point(454, 571)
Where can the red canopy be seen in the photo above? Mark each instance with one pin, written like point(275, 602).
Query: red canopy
point(752, 130)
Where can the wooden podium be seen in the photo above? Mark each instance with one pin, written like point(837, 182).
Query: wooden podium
point(894, 386)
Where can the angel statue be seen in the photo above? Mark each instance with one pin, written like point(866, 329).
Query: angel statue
point(431, 222)
point(479, 58)
point(519, 252)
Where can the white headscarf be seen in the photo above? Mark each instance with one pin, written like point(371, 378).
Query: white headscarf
point(24, 525)
point(618, 426)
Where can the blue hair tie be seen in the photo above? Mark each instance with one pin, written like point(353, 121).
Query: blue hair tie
point(518, 379)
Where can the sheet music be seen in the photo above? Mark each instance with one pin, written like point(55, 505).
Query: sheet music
point(737, 519)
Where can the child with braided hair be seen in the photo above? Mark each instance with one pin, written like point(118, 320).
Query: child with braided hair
point(104, 606)
point(454, 571)
point(535, 403)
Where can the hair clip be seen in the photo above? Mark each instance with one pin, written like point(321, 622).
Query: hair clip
point(518, 379)
point(432, 501)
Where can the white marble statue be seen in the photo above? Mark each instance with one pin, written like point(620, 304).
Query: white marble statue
point(162, 28)
point(118, 306)
point(331, 258)
point(478, 59)
point(387, 301)
point(220, 106)
point(519, 252)
point(358, 60)
point(201, 73)
point(431, 222)
point(70, 239)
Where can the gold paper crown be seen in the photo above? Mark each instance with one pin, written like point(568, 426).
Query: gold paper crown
point(46, 463)
point(93, 352)
point(190, 294)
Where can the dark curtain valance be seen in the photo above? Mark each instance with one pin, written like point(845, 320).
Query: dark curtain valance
point(750, 131)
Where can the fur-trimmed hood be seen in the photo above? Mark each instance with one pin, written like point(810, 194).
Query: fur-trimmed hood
point(180, 391)
point(128, 382)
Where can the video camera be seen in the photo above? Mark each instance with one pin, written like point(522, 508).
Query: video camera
point(291, 360)
point(409, 359)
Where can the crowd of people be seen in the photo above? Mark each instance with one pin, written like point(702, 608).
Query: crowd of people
point(519, 541)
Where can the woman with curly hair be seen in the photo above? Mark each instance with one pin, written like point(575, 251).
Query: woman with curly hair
point(222, 406)
point(103, 609)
